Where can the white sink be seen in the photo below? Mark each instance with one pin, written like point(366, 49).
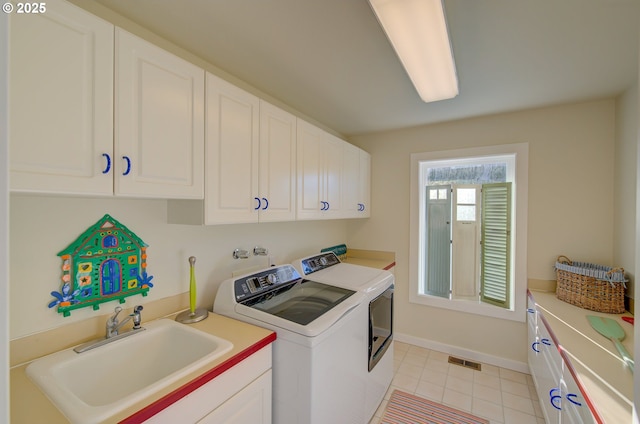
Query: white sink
point(92, 386)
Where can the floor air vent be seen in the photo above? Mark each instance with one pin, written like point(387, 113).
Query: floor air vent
point(464, 363)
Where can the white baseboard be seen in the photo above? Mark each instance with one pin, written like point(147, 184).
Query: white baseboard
point(522, 367)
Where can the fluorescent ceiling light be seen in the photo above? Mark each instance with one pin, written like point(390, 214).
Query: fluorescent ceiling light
point(417, 31)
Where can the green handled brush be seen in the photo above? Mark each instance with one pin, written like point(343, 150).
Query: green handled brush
point(193, 314)
point(614, 332)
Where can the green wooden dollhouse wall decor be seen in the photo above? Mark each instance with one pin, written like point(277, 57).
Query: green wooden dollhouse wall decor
point(107, 262)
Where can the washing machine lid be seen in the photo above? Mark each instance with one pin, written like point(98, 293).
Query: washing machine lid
point(301, 301)
point(279, 297)
point(327, 268)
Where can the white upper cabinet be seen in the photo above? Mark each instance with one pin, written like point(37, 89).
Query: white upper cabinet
point(96, 110)
point(159, 142)
point(365, 184)
point(351, 181)
point(310, 171)
point(232, 153)
point(61, 102)
point(277, 188)
point(251, 157)
point(332, 150)
point(364, 191)
point(319, 173)
point(356, 174)
point(64, 136)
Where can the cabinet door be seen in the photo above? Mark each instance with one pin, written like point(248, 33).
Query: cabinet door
point(61, 101)
point(159, 145)
point(545, 364)
point(252, 405)
point(574, 406)
point(232, 150)
point(277, 186)
point(350, 181)
point(332, 151)
point(364, 189)
point(310, 171)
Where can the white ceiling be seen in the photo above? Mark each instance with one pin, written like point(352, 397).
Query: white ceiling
point(330, 60)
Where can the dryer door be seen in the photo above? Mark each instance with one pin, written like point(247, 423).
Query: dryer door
point(380, 326)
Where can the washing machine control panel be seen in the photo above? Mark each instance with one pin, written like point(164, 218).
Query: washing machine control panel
point(263, 281)
point(319, 262)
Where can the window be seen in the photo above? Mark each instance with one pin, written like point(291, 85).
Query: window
point(468, 230)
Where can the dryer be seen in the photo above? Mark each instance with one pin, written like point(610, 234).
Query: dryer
point(376, 318)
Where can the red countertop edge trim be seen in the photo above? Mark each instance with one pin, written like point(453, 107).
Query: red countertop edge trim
point(391, 265)
point(169, 399)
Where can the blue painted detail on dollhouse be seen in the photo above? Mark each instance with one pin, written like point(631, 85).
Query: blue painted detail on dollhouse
point(107, 262)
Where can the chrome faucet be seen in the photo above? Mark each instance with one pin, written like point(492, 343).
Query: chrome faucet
point(113, 325)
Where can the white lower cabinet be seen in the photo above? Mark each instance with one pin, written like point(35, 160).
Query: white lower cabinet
point(240, 395)
point(560, 397)
point(251, 405)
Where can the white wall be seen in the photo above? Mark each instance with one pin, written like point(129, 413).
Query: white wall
point(625, 183)
point(42, 226)
point(571, 157)
point(4, 225)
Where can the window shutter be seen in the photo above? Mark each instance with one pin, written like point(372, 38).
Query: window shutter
point(496, 244)
point(438, 241)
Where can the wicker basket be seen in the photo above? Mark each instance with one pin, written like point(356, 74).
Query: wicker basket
point(595, 287)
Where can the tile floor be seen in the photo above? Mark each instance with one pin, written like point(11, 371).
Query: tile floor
point(497, 394)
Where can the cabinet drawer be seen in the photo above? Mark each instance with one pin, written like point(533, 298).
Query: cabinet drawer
point(197, 404)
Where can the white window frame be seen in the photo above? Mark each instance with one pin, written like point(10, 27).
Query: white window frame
point(519, 231)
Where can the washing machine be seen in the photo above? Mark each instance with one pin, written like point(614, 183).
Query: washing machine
point(376, 318)
point(316, 355)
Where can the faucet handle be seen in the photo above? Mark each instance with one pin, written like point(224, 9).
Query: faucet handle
point(114, 317)
point(137, 319)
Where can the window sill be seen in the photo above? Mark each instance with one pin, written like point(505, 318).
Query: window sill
point(468, 306)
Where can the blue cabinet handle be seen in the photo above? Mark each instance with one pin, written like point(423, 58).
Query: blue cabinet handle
point(534, 346)
point(571, 397)
point(555, 398)
point(108, 167)
point(128, 170)
point(266, 203)
point(259, 203)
